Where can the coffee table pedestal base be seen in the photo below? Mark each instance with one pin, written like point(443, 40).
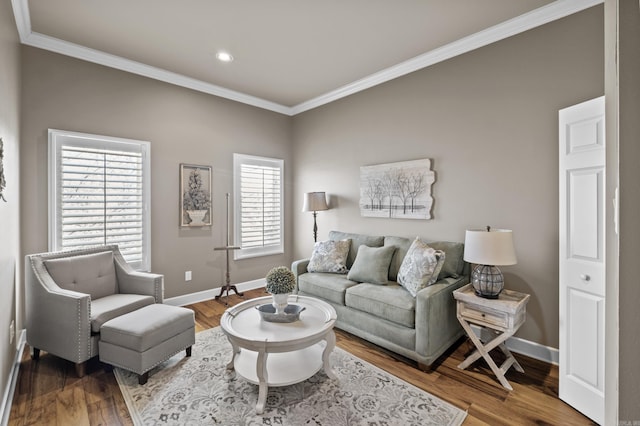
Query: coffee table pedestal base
point(281, 369)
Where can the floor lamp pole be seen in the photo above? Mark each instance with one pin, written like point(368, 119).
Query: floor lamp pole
point(315, 228)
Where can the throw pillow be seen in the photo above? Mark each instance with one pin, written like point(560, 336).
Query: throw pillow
point(330, 256)
point(371, 265)
point(453, 264)
point(420, 267)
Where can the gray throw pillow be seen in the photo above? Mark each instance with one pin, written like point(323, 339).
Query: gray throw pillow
point(330, 256)
point(371, 265)
point(453, 264)
point(420, 267)
point(356, 241)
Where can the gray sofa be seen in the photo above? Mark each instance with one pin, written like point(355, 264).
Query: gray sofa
point(420, 328)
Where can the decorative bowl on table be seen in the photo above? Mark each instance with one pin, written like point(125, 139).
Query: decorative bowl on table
point(291, 313)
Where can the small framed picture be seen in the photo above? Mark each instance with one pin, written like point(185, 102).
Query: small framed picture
point(195, 195)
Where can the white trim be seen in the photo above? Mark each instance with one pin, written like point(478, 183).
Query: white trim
point(9, 391)
point(525, 347)
point(240, 160)
point(42, 41)
point(201, 296)
point(59, 138)
point(23, 18)
point(543, 15)
point(76, 51)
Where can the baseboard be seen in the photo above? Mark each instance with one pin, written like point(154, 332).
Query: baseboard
point(201, 296)
point(526, 347)
point(515, 344)
point(7, 400)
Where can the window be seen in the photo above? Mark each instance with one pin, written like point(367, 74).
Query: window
point(258, 201)
point(99, 191)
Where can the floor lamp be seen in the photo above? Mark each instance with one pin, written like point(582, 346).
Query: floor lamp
point(315, 202)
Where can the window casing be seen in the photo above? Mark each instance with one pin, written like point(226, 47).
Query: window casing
point(99, 192)
point(258, 205)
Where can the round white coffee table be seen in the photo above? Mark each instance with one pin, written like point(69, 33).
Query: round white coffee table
point(279, 354)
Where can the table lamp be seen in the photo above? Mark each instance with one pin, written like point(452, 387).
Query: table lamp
point(315, 202)
point(487, 248)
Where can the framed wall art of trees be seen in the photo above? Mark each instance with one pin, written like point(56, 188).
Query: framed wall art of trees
point(399, 190)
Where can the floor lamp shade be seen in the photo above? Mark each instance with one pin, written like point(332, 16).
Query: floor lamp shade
point(487, 248)
point(315, 202)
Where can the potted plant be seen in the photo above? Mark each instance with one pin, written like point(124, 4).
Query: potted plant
point(280, 283)
point(196, 201)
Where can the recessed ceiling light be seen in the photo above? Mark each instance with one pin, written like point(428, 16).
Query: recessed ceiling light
point(224, 57)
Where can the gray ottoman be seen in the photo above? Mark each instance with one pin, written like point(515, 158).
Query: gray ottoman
point(142, 339)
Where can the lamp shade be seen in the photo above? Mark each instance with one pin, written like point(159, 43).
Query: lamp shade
point(493, 247)
point(314, 202)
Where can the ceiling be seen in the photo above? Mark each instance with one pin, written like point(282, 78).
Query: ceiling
point(289, 55)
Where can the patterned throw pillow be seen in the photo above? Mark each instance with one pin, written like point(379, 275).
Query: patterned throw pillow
point(330, 256)
point(420, 267)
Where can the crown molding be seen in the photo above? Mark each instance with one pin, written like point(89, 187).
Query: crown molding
point(22, 17)
point(543, 15)
point(30, 38)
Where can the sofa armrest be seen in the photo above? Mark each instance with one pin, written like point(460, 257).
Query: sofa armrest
point(437, 326)
point(58, 320)
point(135, 282)
point(299, 267)
point(142, 283)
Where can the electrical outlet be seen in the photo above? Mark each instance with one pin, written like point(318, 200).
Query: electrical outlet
point(187, 276)
point(12, 331)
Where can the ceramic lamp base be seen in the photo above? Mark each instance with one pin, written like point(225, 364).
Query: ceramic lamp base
point(487, 281)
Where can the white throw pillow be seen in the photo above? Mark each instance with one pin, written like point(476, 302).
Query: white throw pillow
point(330, 256)
point(420, 267)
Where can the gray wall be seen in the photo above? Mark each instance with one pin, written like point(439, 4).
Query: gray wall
point(183, 126)
point(10, 263)
point(488, 120)
point(628, 127)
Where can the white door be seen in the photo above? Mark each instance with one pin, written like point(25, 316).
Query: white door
point(582, 249)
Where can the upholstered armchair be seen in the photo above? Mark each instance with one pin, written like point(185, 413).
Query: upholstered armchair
point(70, 294)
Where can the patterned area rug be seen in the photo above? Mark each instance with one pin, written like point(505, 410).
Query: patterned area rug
point(201, 391)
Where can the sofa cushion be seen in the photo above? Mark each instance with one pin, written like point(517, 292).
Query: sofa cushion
point(325, 286)
point(402, 246)
point(453, 262)
point(93, 274)
point(371, 265)
point(390, 302)
point(356, 241)
point(329, 256)
point(420, 267)
point(112, 306)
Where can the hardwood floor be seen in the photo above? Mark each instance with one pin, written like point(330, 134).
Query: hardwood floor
point(49, 393)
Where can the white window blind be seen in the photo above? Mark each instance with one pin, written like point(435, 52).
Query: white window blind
point(258, 201)
point(99, 194)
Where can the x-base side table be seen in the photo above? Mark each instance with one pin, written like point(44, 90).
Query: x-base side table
point(502, 317)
